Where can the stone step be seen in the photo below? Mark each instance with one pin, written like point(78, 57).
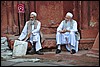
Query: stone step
point(87, 40)
point(83, 43)
point(86, 43)
point(93, 53)
point(50, 41)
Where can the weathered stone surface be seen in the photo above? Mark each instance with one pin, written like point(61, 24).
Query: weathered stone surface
point(49, 44)
point(89, 33)
point(96, 43)
point(20, 48)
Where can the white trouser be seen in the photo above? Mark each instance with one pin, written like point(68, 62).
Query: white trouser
point(67, 38)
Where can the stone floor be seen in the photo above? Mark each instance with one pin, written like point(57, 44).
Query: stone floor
point(81, 58)
point(63, 59)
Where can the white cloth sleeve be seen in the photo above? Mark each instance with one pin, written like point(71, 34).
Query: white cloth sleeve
point(23, 33)
point(60, 26)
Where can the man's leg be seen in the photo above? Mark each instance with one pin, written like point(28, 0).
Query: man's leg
point(34, 47)
point(38, 48)
point(58, 39)
point(67, 37)
point(38, 45)
point(71, 48)
point(72, 43)
point(58, 49)
point(33, 50)
point(76, 46)
point(72, 39)
point(68, 47)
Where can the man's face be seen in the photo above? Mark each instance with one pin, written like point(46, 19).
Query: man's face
point(68, 18)
point(32, 17)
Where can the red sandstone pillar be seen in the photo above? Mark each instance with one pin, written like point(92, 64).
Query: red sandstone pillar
point(94, 52)
point(96, 43)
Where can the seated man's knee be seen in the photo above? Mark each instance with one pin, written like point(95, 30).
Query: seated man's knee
point(72, 33)
point(58, 34)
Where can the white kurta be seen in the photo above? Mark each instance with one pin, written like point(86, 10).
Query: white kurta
point(35, 36)
point(67, 37)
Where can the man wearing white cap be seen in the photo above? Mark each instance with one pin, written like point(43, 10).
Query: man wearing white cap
point(66, 34)
point(31, 33)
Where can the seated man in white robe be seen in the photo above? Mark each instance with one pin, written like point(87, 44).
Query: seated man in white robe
point(66, 34)
point(31, 33)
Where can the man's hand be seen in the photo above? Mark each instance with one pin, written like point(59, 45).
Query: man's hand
point(64, 30)
point(67, 30)
point(29, 35)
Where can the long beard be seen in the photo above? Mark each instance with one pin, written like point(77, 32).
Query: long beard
point(71, 23)
point(32, 22)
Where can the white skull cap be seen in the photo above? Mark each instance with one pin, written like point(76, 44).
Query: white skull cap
point(69, 14)
point(33, 13)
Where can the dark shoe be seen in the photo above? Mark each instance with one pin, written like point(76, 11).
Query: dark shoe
point(31, 51)
point(72, 51)
point(39, 53)
point(58, 51)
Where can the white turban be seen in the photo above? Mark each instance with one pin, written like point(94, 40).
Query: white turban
point(33, 13)
point(69, 14)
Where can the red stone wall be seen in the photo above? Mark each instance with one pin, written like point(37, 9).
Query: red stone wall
point(46, 10)
point(86, 13)
point(49, 11)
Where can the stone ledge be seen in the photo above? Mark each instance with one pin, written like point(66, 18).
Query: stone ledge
point(50, 41)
